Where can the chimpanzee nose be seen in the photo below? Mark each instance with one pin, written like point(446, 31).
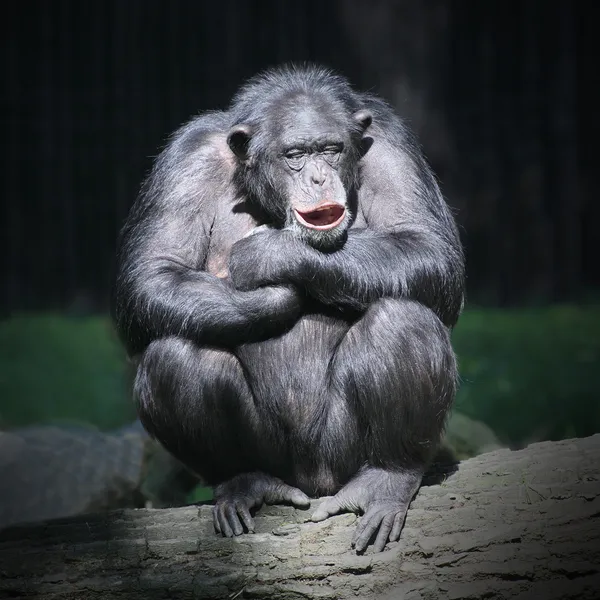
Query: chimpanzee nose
point(318, 175)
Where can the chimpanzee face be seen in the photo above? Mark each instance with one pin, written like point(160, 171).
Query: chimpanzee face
point(305, 162)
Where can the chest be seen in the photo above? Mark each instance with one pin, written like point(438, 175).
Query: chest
point(231, 223)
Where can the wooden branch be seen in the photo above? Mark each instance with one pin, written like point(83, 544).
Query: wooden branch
point(506, 524)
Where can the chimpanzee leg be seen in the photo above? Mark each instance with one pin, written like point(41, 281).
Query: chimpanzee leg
point(397, 371)
point(197, 403)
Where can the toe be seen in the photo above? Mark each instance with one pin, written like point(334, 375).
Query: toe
point(286, 493)
point(223, 522)
point(327, 509)
point(216, 524)
point(299, 498)
point(368, 525)
point(233, 519)
point(398, 525)
point(383, 534)
point(244, 514)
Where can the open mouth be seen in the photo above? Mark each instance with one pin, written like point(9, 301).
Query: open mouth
point(326, 216)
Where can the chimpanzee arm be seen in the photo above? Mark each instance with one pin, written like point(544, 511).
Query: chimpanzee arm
point(410, 247)
point(375, 264)
point(161, 285)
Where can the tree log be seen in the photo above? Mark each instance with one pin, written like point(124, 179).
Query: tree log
point(506, 524)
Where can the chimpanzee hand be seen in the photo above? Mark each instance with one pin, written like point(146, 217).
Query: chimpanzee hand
point(261, 258)
point(259, 229)
point(238, 496)
point(382, 497)
point(253, 265)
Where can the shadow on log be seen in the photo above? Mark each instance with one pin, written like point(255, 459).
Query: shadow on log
point(506, 524)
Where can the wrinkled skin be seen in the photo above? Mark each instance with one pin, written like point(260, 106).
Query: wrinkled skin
point(382, 497)
point(235, 498)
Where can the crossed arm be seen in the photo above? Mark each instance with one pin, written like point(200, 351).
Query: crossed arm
point(162, 289)
point(371, 265)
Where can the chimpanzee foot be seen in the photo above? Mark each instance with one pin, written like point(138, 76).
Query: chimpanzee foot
point(238, 496)
point(382, 497)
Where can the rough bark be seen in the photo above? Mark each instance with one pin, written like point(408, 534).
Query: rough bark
point(506, 524)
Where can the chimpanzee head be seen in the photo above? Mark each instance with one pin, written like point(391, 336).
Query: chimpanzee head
point(298, 158)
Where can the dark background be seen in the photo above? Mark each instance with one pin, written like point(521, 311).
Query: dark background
point(500, 93)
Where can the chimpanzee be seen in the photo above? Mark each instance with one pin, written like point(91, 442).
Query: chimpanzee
point(288, 279)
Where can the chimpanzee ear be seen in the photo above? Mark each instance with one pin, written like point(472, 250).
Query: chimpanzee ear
point(238, 139)
point(363, 118)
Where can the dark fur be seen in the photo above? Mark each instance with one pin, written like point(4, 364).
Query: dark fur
point(313, 358)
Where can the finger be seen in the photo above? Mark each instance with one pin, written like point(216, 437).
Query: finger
point(234, 521)
point(223, 523)
point(245, 516)
point(368, 531)
point(384, 532)
point(216, 520)
point(327, 509)
point(398, 526)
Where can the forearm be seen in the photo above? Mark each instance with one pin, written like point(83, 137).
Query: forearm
point(373, 265)
point(171, 299)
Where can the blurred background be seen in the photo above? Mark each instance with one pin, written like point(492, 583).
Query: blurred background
point(502, 98)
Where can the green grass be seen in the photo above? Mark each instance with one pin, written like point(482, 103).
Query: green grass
point(55, 368)
point(528, 374)
point(531, 374)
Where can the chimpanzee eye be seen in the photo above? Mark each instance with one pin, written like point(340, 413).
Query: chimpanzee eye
point(332, 153)
point(295, 159)
point(292, 154)
point(332, 150)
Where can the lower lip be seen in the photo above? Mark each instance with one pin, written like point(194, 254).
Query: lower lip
point(320, 227)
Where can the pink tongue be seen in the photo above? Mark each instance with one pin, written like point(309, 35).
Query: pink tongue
point(321, 217)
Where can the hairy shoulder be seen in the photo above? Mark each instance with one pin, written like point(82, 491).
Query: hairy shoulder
point(196, 161)
point(391, 138)
point(398, 187)
point(202, 142)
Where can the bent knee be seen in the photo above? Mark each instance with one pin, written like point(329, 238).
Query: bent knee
point(410, 336)
point(175, 366)
point(174, 354)
point(167, 351)
point(399, 317)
